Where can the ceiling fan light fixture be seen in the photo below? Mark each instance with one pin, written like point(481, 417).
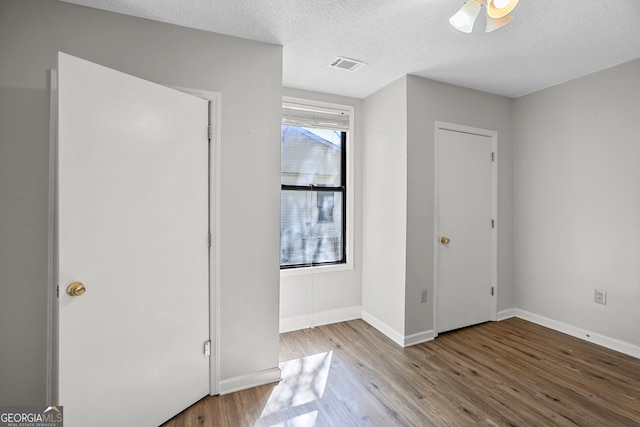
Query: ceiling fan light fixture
point(500, 8)
point(493, 23)
point(464, 19)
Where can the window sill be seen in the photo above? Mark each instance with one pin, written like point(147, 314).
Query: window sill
point(302, 271)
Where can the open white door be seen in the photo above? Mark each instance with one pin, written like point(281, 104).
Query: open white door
point(464, 231)
point(133, 229)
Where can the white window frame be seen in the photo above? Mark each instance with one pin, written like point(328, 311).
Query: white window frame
point(350, 189)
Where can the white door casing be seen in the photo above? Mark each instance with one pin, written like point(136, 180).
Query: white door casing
point(133, 222)
point(466, 215)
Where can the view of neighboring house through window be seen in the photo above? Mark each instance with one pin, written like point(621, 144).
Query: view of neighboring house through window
point(313, 178)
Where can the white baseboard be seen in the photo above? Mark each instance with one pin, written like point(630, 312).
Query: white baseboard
point(611, 343)
point(506, 314)
point(305, 321)
point(335, 316)
point(418, 338)
point(395, 336)
point(356, 312)
point(295, 323)
point(250, 380)
point(384, 328)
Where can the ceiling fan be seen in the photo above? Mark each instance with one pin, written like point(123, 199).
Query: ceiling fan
point(498, 14)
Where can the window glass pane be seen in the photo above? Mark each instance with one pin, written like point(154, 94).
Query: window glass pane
point(311, 227)
point(325, 205)
point(311, 156)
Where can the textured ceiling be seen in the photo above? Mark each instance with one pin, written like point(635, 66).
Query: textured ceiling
point(548, 42)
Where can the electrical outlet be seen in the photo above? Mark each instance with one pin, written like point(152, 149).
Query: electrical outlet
point(600, 296)
point(423, 296)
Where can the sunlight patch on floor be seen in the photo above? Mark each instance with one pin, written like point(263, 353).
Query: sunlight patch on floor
point(303, 382)
point(304, 420)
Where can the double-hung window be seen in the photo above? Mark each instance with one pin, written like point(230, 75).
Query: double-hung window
point(313, 221)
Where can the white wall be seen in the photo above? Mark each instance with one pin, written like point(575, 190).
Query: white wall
point(384, 209)
point(311, 298)
point(398, 191)
point(430, 101)
point(247, 74)
point(577, 204)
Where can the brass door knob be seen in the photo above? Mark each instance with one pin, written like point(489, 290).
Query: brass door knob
point(76, 289)
point(445, 240)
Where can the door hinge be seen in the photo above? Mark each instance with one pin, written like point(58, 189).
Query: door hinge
point(209, 239)
point(493, 223)
point(492, 291)
point(57, 291)
point(209, 132)
point(207, 348)
point(493, 157)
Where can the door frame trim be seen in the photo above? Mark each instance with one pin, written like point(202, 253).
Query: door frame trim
point(440, 125)
point(214, 228)
point(51, 369)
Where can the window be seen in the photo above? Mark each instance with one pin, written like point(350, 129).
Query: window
point(314, 186)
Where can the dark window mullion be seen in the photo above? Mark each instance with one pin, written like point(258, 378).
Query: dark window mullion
point(337, 189)
point(343, 178)
point(288, 187)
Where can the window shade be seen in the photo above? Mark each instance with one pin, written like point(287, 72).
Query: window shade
point(314, 117)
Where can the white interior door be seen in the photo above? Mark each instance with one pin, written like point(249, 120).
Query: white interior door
point(133, 228)
point(464, 228)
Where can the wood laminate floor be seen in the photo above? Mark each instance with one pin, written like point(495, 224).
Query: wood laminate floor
point(509, 373)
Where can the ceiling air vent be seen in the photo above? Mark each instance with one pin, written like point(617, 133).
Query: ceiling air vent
point(346, 64)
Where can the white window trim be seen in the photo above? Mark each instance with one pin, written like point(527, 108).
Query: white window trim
point(350, 216)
